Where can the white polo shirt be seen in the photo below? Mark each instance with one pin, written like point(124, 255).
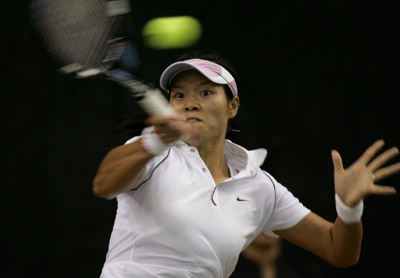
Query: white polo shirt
point(178, 223)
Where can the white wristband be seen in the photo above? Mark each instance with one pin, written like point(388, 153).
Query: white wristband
point(349, 215)
point(152, 142)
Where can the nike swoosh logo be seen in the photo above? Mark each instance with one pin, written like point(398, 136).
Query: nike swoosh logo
point(240, 200)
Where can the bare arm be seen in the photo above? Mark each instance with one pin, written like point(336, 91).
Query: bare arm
point(123, 166)
point(121, 169)
point(339, 243)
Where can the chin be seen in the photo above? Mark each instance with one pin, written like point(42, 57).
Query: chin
point(194, 136)
point(193, 141)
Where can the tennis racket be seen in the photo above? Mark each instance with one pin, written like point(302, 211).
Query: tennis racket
point(94, 38)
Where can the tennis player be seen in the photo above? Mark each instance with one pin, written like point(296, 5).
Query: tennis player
point(189, 200)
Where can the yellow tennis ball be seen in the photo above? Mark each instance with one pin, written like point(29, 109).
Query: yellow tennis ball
point(171, 32)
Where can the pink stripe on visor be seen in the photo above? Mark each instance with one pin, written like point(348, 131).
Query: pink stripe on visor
point(212, 71)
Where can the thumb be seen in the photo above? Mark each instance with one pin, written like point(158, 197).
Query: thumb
point(337, 161)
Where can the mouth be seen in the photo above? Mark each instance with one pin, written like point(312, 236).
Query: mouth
point(192, 120)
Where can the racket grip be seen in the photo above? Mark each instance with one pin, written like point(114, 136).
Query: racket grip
point(155, 104)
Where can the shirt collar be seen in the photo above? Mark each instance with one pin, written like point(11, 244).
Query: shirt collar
point(245, 162)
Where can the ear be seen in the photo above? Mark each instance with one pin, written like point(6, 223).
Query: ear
point(233, 107)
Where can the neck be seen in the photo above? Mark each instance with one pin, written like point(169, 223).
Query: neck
point(213, 157)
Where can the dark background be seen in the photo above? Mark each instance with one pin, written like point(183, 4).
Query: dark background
point(315, 75)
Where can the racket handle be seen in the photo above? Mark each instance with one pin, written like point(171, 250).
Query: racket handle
point(155, 104)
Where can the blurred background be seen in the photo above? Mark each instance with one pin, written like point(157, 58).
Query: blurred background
point(314, 75)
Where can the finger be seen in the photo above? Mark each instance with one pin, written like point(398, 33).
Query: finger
point(371, 152)
point(153, 120)
point(387, 171)
point(383, 158)
point(168, 131)
point(382, 190)
point(337, 161)
point(163, 120)
point(170, 138)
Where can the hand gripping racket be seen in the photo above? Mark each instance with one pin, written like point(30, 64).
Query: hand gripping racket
point(89, 38)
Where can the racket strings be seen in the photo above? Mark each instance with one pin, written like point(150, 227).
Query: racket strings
point(76, 31)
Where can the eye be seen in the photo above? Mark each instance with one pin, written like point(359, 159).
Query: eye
point(178, 95)
point(205, 93)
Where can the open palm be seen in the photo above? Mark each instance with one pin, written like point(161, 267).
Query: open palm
point(359, 180)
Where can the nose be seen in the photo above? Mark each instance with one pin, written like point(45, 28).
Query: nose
point(192, 107)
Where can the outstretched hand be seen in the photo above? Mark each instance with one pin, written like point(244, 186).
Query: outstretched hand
point(359, 180)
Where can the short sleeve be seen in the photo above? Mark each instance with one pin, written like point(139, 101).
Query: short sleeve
point(133, 139)
point(287, 211)
point(150, 166)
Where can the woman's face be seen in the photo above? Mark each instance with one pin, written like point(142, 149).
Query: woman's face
point(204, 105)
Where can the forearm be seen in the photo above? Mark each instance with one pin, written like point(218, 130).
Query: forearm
point(347, 232)
point(346, 240)
point(120, 170)
point(337, 243)
point(268, 270)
